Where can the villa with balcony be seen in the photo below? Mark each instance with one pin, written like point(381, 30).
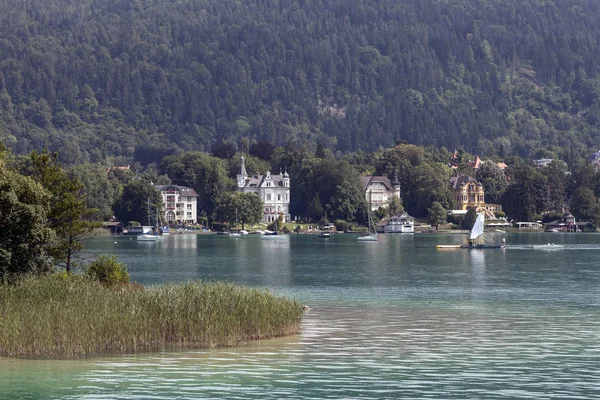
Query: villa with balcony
point(179, 204)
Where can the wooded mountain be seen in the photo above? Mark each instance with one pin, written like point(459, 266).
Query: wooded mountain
point(141, 79)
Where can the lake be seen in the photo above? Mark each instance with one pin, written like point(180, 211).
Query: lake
point(390, 319)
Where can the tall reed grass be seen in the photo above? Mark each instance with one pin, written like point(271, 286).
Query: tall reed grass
point(75, 317)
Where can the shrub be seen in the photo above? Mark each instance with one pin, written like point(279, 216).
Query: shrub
point(499, 214)
point(341, 225)
point(108, 271)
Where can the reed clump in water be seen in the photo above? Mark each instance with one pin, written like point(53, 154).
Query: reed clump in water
point(62, 316)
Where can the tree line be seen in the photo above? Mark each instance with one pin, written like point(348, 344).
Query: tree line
point(326, 187)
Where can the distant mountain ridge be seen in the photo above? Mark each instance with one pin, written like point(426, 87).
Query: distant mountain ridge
point(147, 78)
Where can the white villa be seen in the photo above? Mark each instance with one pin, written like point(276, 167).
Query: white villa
point(273, 190)
point(379, 190)
point(179, 204)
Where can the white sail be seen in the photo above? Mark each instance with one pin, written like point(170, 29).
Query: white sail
point(477, 228)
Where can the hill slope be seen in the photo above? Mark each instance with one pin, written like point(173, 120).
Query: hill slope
point(145, 78)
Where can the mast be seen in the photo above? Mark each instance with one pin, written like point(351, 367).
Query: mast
point(149, 222)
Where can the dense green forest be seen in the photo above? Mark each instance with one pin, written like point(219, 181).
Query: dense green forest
point(129, 80)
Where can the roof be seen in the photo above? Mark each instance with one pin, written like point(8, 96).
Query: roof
point(475, 164)
point(113, 223)
point(365, 181)
point(258, 180)
point(183, 190)
point(457, 181)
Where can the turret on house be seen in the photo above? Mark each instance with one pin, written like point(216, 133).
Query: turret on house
point(273, 190)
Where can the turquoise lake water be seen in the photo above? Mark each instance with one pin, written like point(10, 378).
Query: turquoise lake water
point(387, 320)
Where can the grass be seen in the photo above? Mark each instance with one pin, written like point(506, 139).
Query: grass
point(75, 317)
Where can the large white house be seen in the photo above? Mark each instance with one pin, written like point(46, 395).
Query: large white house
point(379, 190)
point(273, 190)
point(180, 204)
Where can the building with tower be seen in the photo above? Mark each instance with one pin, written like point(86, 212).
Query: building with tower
point(273, 190)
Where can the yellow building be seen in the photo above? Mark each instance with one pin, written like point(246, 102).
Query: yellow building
point(468, 193)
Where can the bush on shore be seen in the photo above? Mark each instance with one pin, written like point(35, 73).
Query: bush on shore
point(107, 270)
point(66, 316)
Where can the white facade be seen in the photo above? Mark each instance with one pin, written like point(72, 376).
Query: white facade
point(379, 190)
point(273, 190)
point(180, 204)
point(400, 224)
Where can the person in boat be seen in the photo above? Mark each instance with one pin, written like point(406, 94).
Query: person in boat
point(470, 243)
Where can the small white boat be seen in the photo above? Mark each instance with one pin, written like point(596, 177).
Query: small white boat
point(549, 246)
point(149, 238)
point(236, 234)
point(371, 235)
point(273, 236)
point(368, 238)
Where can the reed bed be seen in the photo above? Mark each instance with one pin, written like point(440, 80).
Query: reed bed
point(75, 317)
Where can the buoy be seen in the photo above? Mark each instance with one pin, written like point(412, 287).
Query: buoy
point(115, 242)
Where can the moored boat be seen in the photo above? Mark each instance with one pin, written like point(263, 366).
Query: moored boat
point(371, 235)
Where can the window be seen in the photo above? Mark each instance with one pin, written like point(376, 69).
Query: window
point(189, 215)
point(286, 197)
point(278, 197)
point(189, 206)
point(269, 197)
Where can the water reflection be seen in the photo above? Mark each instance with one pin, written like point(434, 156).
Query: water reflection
point(181, 241)
point(477, 271)
point(275, 259)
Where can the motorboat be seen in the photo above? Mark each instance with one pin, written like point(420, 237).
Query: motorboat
point(548, 246)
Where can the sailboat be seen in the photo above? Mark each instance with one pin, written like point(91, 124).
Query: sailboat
point(371, 236)
point(476, 238)
point(269, 235)
point(150, 237)
point(235, 235)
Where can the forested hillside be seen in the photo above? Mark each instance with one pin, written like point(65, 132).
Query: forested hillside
point(141, 79)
